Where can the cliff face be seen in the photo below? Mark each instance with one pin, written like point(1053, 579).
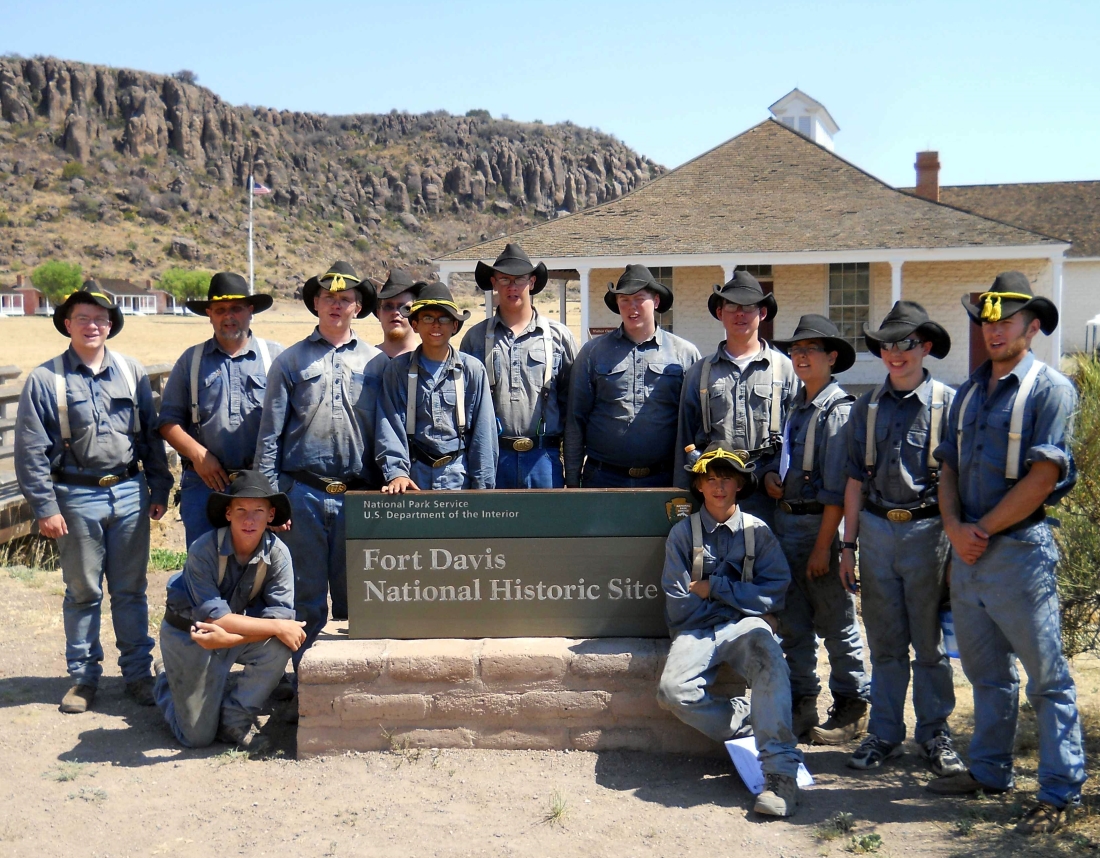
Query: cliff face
point(162, 150)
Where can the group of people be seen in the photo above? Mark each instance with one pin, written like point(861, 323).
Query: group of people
point(778, 454)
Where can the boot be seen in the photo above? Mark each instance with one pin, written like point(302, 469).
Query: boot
point(780, 796)
point(848, 718)
point(804, 715)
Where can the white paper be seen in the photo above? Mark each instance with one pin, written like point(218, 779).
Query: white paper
point(745, 760)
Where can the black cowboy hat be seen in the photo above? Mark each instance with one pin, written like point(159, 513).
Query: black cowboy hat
point(340, 277)
point(906, 319)
point(815, 327)
point(1009, 294)
point(635, 279)
point(226, 286)
point(743, 289)
point(435, 294)
point(398, 281)
point(740, 460)
point(515, 263)
point(89, 293)
point(247, 484)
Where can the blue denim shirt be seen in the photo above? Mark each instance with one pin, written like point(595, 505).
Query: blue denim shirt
point(519, 366)
point(1047, 433)
point(231, 400)
point(740, 405)
point(437, 418)
point(101, 412)
point(829, 476)
point(315, 415)
point(195, 593)
point(902, 476)
point(730, 599)
point(624, 401)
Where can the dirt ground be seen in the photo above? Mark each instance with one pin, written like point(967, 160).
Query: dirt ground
point(114, 783)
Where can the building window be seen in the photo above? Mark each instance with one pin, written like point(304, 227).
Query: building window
point(663, 276)
point(804, 126)
point(850, 300)
point(760, 272)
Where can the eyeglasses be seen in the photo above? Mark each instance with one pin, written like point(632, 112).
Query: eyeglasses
point(505, 280)
point(433, 320)
point(84, 321)
point(806, 351)
point(393, 306)
point(326, 297)
point(906, 345)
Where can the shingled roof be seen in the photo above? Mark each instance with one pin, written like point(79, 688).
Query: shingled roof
point(1066, 210)
point(769, 189)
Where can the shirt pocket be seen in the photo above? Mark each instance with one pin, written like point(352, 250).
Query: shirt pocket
point(257, 390)
point(210, 395)
point(611, 379)
point(663, 382)
point(309, 388)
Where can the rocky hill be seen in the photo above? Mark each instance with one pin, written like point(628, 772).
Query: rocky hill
point(130, 173)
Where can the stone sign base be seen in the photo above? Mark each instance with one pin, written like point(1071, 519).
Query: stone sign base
point(511, 693)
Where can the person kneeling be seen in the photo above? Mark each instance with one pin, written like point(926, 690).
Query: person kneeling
point(724, 578)
point(233, 603)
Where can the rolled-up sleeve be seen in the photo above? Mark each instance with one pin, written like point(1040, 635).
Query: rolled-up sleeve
point(278, 592)
point(150, 446)
point(482, 451)
point(35, 417)
point(392, 443)
point(947, 453)
point(1053, 428)
point(175, 399)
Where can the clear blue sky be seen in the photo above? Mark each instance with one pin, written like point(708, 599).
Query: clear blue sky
point(1005, 91)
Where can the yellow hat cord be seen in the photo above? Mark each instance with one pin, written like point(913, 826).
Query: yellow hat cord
point(434, 302)
point(991, 303)
point(740, 457)
point(229, 298)
point(339, 281)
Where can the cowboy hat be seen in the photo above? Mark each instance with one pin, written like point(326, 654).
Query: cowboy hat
point(89, 293)
point(398, 281)
point(515, 263)
point(722, 453)
point(339, 278)
point(435, 294)
point(635, 279)
point(815, 327)
point(247, 484)
point(743, 289)
point(226, 286)
point(906, 319)
point(1009, 294)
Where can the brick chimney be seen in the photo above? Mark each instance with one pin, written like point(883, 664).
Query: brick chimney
point(18, 281)
point(928, 175)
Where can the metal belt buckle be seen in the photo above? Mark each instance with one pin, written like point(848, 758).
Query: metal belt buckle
point(899, 515)
point(522, 445)
point(786, 506)
point(442, 460)
point(638, 473)
point(233, 475)
point(109, 480)
point(336, 487)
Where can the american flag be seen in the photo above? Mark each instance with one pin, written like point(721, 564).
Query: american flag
point(259, 190)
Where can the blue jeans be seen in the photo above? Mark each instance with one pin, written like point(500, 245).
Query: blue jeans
point(193, 496)
point(108, 537)
point(750, 648)
point(451, 476)
point(317, 548)
point(601, 478)
point(1006, 607)
point(191, 692)
point(815, 608)
point(534, 469)
point(901, 567)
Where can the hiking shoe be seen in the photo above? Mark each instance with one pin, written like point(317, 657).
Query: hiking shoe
point(246, 737)
point(141, 691)
point(962, 783)
point(941, 756)
point(284, 691)
point(804, 716)
point(873, 752)
point(780, 796)
point(847, 719)
point(77, 699)
point(158, 666)
point(1042, 819)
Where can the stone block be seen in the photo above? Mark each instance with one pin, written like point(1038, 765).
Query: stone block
point(431, 661)
point(469, 708)
point(418, 737)
point(616, 739)
point(340, 662)
point(604, 659)
point(314, 742)
point(315, 700)
point(546, 739)
point(524, 660)
point(638, 706)
point(562, 704)
point(404, 708)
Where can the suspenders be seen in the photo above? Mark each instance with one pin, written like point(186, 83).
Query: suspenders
point(697, 549)
point(196, 359)
point(1015, 422)
point(773, 411)
point(811, 433)
point(547, 373)
point(460, 397)
point(223, 561)
point(62, 394)
point(870, 449)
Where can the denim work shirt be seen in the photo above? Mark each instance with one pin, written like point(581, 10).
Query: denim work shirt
point(519, 365)
point(101, 419)
point(829, 476)
point(231, 400)
point(1046, 435)
point(740, 405)
point(902, 428)
point(624, 401)
point(730, 598)
point(437, 418)
point(195, 593)
point(315, 417)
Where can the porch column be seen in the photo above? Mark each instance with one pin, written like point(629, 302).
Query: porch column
point(562, 311)
point(488, 303)
point(727, 272)
point(1056, 263)
point(895, 280)
point(583, 273)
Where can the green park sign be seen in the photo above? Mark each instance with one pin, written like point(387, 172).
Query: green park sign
point(529, 563)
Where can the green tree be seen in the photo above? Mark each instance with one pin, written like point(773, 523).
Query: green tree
point(57, 279)
point(184, 284)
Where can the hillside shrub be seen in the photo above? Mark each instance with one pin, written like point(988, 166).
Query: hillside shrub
point(57, 279)
point(72, 170)
point(184, 284)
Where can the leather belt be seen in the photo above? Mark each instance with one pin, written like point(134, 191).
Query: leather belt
point(421, 455)
point(900, 514)
point(522, 445)
point(329, 485)
point(632, 473)
point(103, 481)
point(1036, 517)
point(802, 507)
point(178, 621)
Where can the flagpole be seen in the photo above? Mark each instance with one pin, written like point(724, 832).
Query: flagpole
point(251, 274)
